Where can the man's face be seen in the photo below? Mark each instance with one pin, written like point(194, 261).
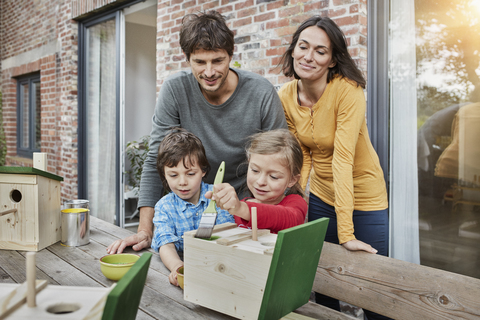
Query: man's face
point(210, 68)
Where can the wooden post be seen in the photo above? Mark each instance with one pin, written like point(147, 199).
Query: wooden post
point(40, 161)
point(253, 217)
point(31, 301)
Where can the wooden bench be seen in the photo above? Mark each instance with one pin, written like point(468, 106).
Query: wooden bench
point(391, 287)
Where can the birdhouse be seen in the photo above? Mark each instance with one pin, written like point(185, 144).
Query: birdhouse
point(30, 216)
point(245, 278)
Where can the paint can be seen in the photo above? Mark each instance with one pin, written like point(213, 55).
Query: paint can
point(76, 223)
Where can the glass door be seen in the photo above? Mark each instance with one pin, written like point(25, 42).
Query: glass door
point(434, 71)
point(448, 123)
point(100, 121)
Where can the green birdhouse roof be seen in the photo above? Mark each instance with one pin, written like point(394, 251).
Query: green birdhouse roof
point(30, 170)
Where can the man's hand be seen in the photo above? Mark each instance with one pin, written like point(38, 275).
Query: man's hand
point(357, 245)
point(139, 241)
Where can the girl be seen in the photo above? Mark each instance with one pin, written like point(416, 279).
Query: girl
point(274, 163)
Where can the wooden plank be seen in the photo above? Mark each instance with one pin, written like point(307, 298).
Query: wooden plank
point(14, 265)
point(17, 230)
point(396, 288)
point(5, 277)
point(17, 179)
point(293, 268)
point(53, 301)
point(40, 161)
point(226, 241)
point(158, 294)
point(49, 223)
point(225, 278)
point(216, 228)
point(17, 297)
point(316, 311)
point(62, 270)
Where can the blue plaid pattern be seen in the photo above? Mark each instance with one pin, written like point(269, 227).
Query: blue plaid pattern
point(174, 216)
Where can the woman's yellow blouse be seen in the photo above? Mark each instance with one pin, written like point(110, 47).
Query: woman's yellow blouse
point(334, 138)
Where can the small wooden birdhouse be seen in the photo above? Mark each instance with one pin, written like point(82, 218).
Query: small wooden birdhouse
point(247, 279)
point(30, 216)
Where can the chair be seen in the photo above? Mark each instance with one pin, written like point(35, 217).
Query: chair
point(124, 299)
point(293, 268)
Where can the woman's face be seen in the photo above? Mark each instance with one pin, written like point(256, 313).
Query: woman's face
point(312, 56)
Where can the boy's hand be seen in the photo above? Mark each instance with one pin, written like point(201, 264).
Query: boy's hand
point(173, 278)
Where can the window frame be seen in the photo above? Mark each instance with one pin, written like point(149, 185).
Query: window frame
point(32, 80)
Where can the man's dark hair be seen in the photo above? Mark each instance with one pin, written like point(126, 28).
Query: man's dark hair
point(207, 31)
point(180, 145)
point(345, 67)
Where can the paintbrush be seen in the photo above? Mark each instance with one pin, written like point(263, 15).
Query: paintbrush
point(209, 216)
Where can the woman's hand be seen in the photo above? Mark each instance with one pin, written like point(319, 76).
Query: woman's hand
point(357, 245)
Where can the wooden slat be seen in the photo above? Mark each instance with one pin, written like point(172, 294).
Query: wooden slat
point(13, 264)
point(17, 297)
point(61, 269)
point(396, 288)
point(311, 310)
point(158, 295)
point(241, 237)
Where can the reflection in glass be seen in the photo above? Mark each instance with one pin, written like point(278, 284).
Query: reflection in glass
point(448, 121)
point(37, 107)
point(25, 115)
point(101, 119)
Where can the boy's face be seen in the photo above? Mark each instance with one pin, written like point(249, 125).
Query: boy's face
point(185, 182)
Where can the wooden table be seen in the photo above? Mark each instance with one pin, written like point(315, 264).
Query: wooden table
point(79, 266)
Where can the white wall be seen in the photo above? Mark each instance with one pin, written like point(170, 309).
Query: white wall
point(140, 79)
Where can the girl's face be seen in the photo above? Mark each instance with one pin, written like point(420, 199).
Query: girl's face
point(268, 178)
point(312, 56)
point(185, 182)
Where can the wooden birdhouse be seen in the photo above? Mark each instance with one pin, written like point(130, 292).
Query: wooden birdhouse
point(247, 279)
point(30, 216)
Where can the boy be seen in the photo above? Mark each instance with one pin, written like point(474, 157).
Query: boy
point(182, 164)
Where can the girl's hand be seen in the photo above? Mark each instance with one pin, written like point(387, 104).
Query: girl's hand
point(225, 196)
point(357, 245)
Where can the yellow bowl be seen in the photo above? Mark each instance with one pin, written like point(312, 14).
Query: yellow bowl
point(180, 277)
point(114, 266)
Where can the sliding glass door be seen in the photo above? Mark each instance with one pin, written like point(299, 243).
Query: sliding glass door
point(99, 117)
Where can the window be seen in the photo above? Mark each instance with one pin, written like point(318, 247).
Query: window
point(28, 115)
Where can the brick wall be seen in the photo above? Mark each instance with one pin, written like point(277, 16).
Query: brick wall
point(263, 29)
point(38, 36)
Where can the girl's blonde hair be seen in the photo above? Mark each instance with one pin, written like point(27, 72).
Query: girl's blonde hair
point(283, 142)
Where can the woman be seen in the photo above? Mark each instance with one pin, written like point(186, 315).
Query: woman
point(325, 108)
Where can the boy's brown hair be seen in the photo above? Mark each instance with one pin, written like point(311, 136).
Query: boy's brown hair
point(180, 145)
point(207, 31)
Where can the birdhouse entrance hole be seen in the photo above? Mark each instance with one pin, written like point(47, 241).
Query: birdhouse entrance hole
point(63, 308)
point(16, 196)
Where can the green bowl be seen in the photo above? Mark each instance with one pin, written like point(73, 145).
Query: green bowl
point(114, 266)
point(180, 277)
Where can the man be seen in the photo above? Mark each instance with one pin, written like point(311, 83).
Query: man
point(219, 105)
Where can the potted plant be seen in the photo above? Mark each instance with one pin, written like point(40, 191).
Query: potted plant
point(136, 152)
